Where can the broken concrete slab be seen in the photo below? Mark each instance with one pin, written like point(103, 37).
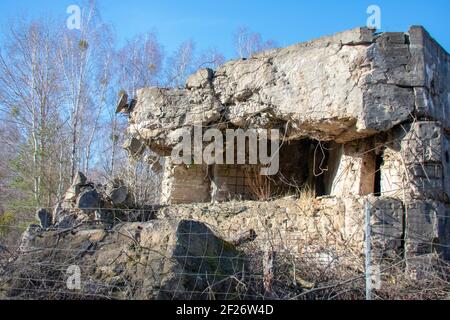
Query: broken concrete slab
point(343, 87)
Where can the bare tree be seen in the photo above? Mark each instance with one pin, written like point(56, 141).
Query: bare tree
point(102, 90)
point(55, 90)
point(248, 43)
point(79, 62)
point(180, 65)
point(210, 58)
point(140, 63)
point(137, 65)
point(30, 94)
point(58, 90)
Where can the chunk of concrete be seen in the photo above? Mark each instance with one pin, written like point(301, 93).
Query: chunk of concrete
point(201, 79)
point(45, 218)
point(89, 200)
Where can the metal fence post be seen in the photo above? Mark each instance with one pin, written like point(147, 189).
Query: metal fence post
point(368, 251)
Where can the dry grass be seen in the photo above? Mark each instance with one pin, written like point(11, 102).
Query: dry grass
point(304, 278)
point(260, 186)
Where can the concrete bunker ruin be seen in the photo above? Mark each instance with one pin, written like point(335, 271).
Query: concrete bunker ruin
point(360, 114)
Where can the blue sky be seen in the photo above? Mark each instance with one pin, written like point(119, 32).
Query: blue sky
point(212, 23)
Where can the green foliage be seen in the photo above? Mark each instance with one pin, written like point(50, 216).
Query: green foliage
point(15, 112)
point(19, 182)
point(83, 45)
point(22, 182)
point(6, 221)
point(115, 137)
point(21, 204)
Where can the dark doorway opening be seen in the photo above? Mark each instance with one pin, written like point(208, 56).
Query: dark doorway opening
point(378, 164)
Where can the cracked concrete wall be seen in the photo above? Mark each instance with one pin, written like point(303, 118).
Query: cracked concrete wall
point(432, 68)
point(415, 162)
point(392, 172)
point(184, 184)
point(336, 235)
point(427, 229)
point(347, 89)
point(356, 171)
point(425, 150)
point(416, 170)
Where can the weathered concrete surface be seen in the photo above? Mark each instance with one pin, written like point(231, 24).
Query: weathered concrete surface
point(432, 90)
point(416, 169)
point(416, 163)
point(320, 229)
point(427, 230)
point(164, 259)
point(355, 174)
point(342, 87)
point(184, 184)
